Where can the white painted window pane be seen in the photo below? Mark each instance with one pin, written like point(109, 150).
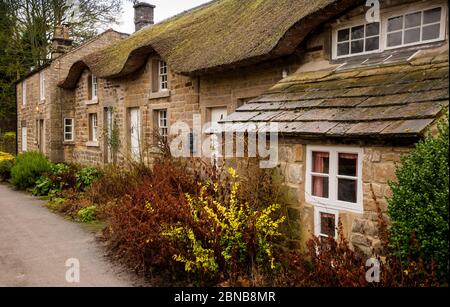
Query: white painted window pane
point(372, 29)
point(357, 32)
point(163, 77)
point(24, 139)
point(320, 186)
point(347, 190)
point(433, 15)
point(327, 224)
point(357, 46)
point(94, 86)
point(372, 43)
point(412, 35)
point(343, 35)
point(343, 49)
point(413, 20)
point(162, 123)
point(431, 32)
point(42, 86)
point(394, 39)
point(348, 164)
point(24, 93)
point(68, 129)
point(395, 24)
point(94, 126)
point(321, 162)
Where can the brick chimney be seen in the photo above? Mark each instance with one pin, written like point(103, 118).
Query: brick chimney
point(61, 42)
point(143, 15)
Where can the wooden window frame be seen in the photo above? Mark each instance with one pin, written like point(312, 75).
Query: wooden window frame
point(350, 40)
point(24, 93)
point(42, 86)
point(163, 130)
point(332, 201)
point(385, 15)
point(163, 76)
point(442, 24)
point(317, 221)
point(93, 127)
point(72, 125)
point(94, 87)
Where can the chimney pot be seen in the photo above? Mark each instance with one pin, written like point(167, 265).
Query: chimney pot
point(61, 42)
point(143, 15)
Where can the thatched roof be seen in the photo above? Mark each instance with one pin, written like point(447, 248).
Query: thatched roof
point(398, 100)
point(218, 34)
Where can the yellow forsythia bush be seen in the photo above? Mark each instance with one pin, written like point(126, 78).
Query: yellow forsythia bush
point(6, 156)
point(6, 163)
point(225, 235)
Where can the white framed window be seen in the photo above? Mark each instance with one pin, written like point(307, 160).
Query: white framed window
point(24, 139)
point(417, 27)
point(93, 127)
point(42, 86)
point(68, 129)
point(357, 39)
point(163, 125)
point(163, 76)
point(334, 177)
point(94, 87)
point(24, 93)
point(326, 222)
point(401, 27)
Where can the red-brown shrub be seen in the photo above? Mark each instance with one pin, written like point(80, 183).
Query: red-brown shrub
point(137, 217)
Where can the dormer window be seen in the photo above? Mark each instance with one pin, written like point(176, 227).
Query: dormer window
point(359, 39)
point(160, 78)
point(92, 89)
point(163, 76)
point(414, 28)
point(397, 28)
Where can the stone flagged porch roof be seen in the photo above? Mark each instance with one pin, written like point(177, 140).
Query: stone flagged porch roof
point(396, 100)
point(218, 34)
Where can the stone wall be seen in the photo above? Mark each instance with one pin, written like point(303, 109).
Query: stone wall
point(57, 101)
point(186, 96)
point(379, 166)
point(32, 111)
point(360, 229)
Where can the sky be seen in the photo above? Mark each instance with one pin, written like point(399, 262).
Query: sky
point(164, 9)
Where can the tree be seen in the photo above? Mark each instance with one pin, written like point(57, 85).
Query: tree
point(8, 67)
point(37, 20)
point(26, 32)
point(419, 206)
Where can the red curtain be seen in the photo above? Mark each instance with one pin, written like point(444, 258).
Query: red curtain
point(319, 167)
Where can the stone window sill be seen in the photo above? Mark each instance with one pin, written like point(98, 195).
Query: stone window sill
point(93, 101)
point(160, 94)
point(68, 142)
point(92, 144)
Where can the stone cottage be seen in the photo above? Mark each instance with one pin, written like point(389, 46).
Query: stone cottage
point(41, 103)
point(351, 86)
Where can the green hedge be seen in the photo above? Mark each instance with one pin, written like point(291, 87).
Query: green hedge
point(419, 205)
point(28, 168)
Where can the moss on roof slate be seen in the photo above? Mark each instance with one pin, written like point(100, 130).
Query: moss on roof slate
point(388, 101)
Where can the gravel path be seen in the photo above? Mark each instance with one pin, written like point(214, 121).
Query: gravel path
point(35, 245)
